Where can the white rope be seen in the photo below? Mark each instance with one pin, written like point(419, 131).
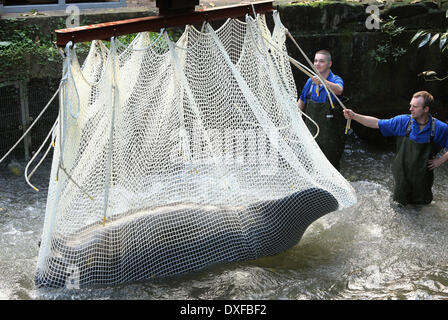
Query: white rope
point(62, 109)
point(253, 10)
point(258, 111)
point(32, 125)
point(131, 46)
point(68, 74)
point(347, 127)
point(309, 73)
point(306, 72)
point(178, 69)
point(114, 95)
point(27, 177)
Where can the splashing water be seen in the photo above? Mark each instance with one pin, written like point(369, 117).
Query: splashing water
point(374, 250)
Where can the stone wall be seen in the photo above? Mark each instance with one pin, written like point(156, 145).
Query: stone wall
point(381, 90)
point(341, 29)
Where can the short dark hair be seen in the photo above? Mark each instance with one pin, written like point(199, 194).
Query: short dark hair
point(325, 53)
point(428, 99)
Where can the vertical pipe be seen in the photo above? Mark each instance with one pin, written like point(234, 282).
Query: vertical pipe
point(25, 115)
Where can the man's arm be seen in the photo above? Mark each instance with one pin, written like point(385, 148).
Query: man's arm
point(367, 121)
point(301, 104)
point(437, 162)
point(336, 88)
point(441, 139)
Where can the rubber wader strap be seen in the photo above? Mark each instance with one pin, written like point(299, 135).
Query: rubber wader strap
point(409, 127)
point(433, 128)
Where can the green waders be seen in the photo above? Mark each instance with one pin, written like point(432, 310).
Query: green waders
point(413, 179)
point(331, 122)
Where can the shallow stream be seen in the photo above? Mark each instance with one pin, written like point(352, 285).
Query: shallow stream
point(374, 250)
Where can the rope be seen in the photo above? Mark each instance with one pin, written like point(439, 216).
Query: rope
point(68, 74)
point(347, 127)
point(310, 74)
point(32, 125)
point(27, 177)
point(76, 184)
point(62, 84)
point(299, 65)
point(114, 94)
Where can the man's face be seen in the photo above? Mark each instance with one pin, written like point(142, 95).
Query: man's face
point(322, 63)
point(417, 108)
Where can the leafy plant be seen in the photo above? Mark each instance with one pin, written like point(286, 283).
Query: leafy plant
point(427, 38)
point(21, 47)
point(24, 48)
point(386, 50)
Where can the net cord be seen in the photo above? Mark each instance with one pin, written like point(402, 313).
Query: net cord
point(302, 68)
point(259, 113)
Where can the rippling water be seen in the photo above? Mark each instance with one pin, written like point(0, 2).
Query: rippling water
point(374, 250)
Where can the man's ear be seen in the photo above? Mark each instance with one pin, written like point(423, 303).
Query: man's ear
point(331, 63)
point(426, 109)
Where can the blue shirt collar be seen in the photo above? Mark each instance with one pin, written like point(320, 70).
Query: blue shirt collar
point(428, 123)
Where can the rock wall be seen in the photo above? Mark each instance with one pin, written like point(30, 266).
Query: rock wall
point(382, 90)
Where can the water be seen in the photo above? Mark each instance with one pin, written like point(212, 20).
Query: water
point(374, 250)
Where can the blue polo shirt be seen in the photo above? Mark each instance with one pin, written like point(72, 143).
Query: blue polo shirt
point(322, 93)
point(396, 126)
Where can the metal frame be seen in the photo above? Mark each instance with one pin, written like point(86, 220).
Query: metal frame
point(104, 31)
point(61, 5)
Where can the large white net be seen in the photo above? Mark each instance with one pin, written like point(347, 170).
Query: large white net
point(170, 157)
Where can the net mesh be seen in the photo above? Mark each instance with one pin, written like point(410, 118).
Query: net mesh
point(170, 157)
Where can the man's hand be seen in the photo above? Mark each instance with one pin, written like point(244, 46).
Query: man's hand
point(316, 80)
point(337, 89)
point(367, 121)
point(437, 162)
point(349, 114)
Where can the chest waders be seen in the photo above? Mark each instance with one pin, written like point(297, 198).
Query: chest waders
point(413, 179)
point(331, 122)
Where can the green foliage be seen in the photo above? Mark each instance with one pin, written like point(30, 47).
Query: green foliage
point(426, 38)
point(386, 50)
point(22, 47)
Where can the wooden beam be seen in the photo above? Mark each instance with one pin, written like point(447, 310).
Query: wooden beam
point(104, 31)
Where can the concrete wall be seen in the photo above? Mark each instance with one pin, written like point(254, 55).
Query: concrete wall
point(140, 3)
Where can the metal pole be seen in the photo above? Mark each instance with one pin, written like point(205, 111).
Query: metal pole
point(25, 115)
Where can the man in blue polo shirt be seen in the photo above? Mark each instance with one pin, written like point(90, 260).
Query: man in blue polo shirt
point(315, 103)
point(419, 138)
